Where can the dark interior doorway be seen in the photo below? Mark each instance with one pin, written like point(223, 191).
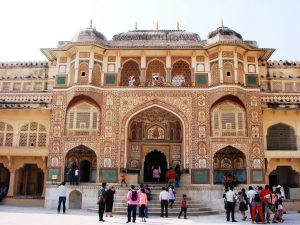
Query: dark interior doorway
point(273, 180)
point(155, 158)
point(84, 171)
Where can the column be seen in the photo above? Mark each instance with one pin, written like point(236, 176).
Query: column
point(91, 65)
point(168, 70)
point(193, 69)
point(143, 71)
point(68, 70)
point(207, 69)
point(221, 67)
point(10, 192)
point(104, 68)
point(76, 67)
point(235, 65)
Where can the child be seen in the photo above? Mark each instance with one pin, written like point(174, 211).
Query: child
point(123, 178)
point(183, 207)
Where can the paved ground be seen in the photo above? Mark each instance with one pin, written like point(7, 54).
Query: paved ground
point(10, 215)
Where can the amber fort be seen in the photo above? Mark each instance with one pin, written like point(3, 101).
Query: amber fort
point(213, 105)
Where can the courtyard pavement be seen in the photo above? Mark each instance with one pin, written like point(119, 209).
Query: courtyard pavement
point(11, 215)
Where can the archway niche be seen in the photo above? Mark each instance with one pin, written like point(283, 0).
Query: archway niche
point(29, 180)
point(85, 160)
point(75, 200)
point(230, 161)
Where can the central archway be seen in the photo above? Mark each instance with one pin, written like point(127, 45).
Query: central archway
point(152, 160)
point(230, 161)
point(85, 160)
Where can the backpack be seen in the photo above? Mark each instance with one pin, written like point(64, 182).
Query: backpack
point(257, 197)
point(133, 195)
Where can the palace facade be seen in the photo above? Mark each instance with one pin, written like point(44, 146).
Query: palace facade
point(147, 98)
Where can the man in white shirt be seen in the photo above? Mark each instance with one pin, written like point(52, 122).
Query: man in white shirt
point(163, 198)
point(230, 196)
point(62, 193)
point(76, 175)
point(250, 195)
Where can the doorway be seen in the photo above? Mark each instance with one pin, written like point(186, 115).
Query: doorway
point(152, 159)
point(85, 168)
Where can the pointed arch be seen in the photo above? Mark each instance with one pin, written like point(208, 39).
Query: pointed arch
point(155, 67)
point(281, 136)
point(130, 68)
point(181, 73)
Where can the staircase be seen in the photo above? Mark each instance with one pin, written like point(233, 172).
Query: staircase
point(195, 208)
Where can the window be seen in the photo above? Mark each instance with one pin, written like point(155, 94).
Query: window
point(83, 73)
point(228, 74)
point(281, 137)
point(6, 134)
point(83, 120)
point(33, 135)
point(228, 120)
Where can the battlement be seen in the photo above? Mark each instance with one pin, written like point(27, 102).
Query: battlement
point(24, 64)
point(283, 63)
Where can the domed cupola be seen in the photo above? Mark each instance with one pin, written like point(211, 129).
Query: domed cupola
point(223, 34)
point(89, 35)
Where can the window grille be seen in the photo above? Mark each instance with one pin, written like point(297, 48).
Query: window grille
point(33, 135)
point(6, 134)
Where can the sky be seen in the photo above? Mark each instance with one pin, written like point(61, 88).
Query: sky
point(28, 25)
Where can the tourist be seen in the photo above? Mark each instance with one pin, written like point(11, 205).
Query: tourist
point(230, 205)
point(256, 207)
point(172, 175)
point(143, 202)
point(139, 192)
point(123, 178)
point(226, 189)
point(3, 191)
point(132, 201)
point(101, 200)
point(163, 198)
point(178, 175)
point(242, 199)
point(171, 194)
point(156, 174)
point(109, 201)
point(183, 207)
point(265, 194)
point(76, 174)
point(62, 195)
point(250, 196)
point(167, 176)
point(149, 198)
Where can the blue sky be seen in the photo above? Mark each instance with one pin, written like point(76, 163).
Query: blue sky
point(27, 26)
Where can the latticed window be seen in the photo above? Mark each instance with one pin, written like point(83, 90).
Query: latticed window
point(228, 120)
point(83, 120)
point(182, 69)
point(33, 135)
point(6, 134)
point(281, 137)
point(130, 74)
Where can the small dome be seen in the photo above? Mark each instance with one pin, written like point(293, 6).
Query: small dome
point(224, 34)
point(157, 35)
point(89, 35)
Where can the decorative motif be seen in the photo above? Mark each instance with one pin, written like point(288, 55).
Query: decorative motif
point(254, 116)
point(134, 163)
point(109, 100)
point(109, 116)
point(256, 164)
point(56, 131)
point(56, 147)
point(156, 132)
point(253, 101)
point(202, 148)
point(58, 116)
point(107, 162)
point(59, 100)
point(202, 132)
point(107, 148)
point(201, 116)
point(54, 162)
point(226, 164)
point(202, 163)
point(201, 100)
point(108, 131)
point(255, 132)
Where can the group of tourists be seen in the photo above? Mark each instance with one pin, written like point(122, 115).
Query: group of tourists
point(262, 203)
point(173, 175)
point(74, 174)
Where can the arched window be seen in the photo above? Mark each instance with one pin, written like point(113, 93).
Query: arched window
point(281, 137)
point(83, 119)
point(228, 120)
point(181, 74)
point(6, 134)
point(155, 73)
point(33, 135)
point(214, 73)
point(228, 72)
point(96, 75)
point(130, 74)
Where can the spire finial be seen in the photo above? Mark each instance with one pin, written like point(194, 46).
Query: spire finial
point(135, 26)
point(178, 25)
point(157, 26)
point(222, 23)
point(91, 23)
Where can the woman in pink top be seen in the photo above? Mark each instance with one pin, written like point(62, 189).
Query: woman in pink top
point(156, 174)
point(143, 203)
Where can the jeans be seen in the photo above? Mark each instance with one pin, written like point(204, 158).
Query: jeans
point(164, 205)
point(184, 212)
point(131, 208)
point(230, 210)
point(63, 201)
point(101, 210)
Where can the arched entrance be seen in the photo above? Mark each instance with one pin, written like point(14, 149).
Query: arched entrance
point(230, 161)
point(30, 180)
point(284, 176)
point(154, 128)
point(85, 160)
point(4, 175)
point(155, 159)
point(75, 200)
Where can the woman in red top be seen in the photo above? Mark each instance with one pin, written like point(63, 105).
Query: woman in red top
point(183, 207)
